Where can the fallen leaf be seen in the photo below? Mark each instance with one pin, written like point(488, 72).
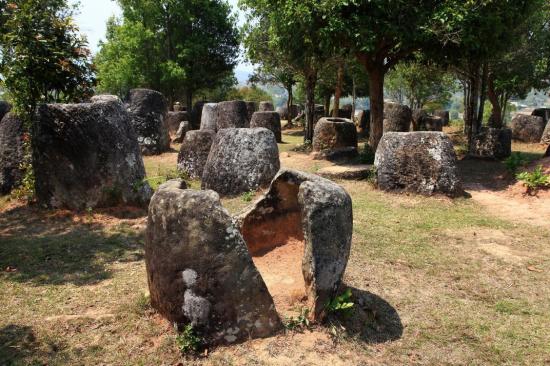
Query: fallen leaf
point(534, 269)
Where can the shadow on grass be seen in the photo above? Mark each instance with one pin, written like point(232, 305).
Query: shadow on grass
point(48, 248)
point(374, 320)
point(18, 344)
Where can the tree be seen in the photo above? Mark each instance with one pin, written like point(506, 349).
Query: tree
point(44, 58)
point(177, 47)
point(295, 31)
point(249, 93)
point(417, 84)
point(525, 66)
point(484, 31)
point(381, 33)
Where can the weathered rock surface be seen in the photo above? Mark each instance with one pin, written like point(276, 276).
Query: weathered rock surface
point(266, 107)
point(363, 122)
point(86, 156)
point(182, 130)
point(105, 98)
point(420, 162)
point(232, 114)
point(544, 113)
point(196, 115)
point(333, 134)
point(148, 110)
point(492, 143)
point(200, 271)
point(417, 116)
point(11, 152)
point(209, 117)
point(174, 120)
point(251, 108)
point(444, 115)
point(194, 152)
point(397, 118)
point(241, 160)
point(352, 172)
point(269, 120)
point(309, 208)
point(283, 112)
point(430, 123)
point(527, 128)
point(5, 107)
point(545, 139)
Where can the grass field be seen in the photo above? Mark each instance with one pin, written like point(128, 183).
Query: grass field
point(438, 282)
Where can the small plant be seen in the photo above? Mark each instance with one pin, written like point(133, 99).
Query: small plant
point(514, 161)
point(366, 156)
point(341, 304)
point(187, 341)
point(300, 322)
point(248, 196)
point(534, 180)
point(306, 147)
point(26, 190)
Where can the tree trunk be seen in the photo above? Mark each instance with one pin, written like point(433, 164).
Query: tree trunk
point(496, 116)
point(189, 101)
point(471, 107)
point(311, 80)
point(482, 93)
point(289, 102)
point(327, 104)
point(353, 99)
point(376, 84)
point(338, 90)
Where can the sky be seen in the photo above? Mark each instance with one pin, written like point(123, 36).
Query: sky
point(93, 15)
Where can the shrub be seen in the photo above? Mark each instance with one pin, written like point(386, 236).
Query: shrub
point(366, 156)
point(514, 161)
point(341, 304)
point(248, 196)
point(187, 340)
point(534, 180)
point(299, 323)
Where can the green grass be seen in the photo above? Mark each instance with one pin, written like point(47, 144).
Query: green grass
point(441, 283)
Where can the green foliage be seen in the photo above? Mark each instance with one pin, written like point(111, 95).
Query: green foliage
point(341, 304)
point(187, 340)
point(366, 155)
point(534, 180)
point(248, 196)
point(249, 93)
point(26, 191)
point(44, 58)
point(299, 323)
point(420, 85)
point(177, 47)
point(514, 161)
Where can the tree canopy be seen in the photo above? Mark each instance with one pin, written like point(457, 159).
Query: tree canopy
point(44, 57)
point(177, 47)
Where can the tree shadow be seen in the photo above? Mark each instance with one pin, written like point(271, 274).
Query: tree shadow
point(18, 344)
point(47, 247)
point(373, 320)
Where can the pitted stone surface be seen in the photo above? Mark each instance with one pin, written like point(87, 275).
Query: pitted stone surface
point(199, 269)
point(266, 107)
point(87, 155)
point(269, 120)
point(232, 114)
point(315, 209)
point(397, 118)
point(174, 120)
point(420, 162)
point(241, 160)
point(209, 118)
point(11, 152)
point(527, 128)
point(148, 109)
point(492, 143)
point(194, 152)
point(334, 134)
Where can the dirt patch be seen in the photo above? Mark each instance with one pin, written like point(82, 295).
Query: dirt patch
point(281, 269)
